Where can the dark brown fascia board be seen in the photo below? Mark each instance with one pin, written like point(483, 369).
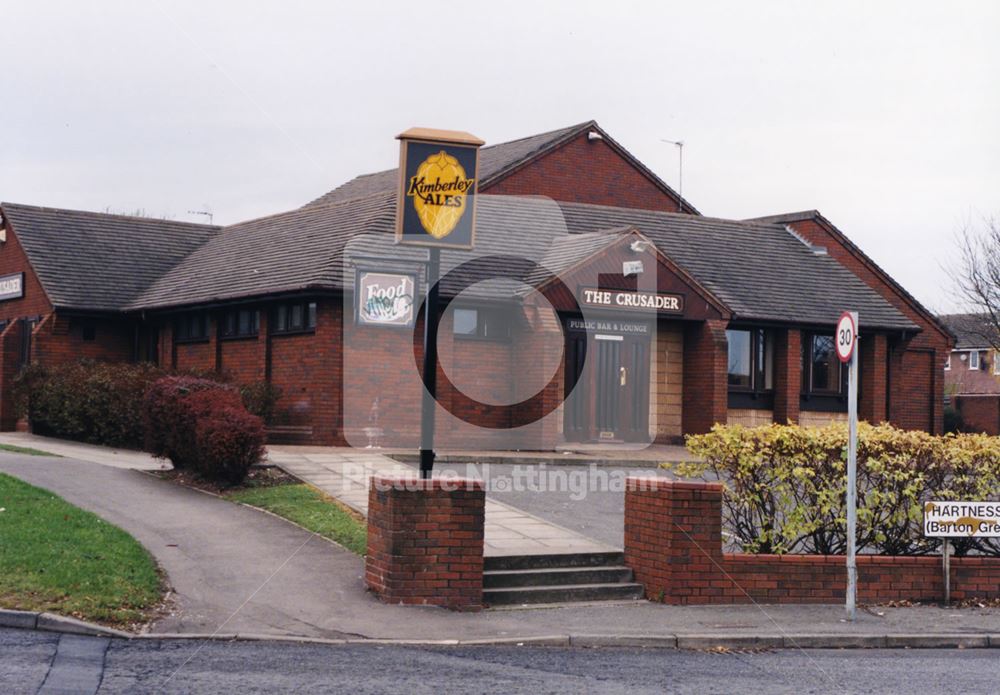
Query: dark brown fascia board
point(612, 143)
point(855, 250)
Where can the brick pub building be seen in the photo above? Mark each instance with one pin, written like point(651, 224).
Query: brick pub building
point(744, 334)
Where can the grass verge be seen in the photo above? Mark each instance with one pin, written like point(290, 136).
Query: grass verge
point(58, 558)
point(311, 509)
point(25, 450)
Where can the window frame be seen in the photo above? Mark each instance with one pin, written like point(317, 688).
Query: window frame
point(234, 315)
point(187, 318)
point(974, 357)
point(822, 400)
point(758, 394)
point(309, 309)
point(482, 325)
point(947, 362)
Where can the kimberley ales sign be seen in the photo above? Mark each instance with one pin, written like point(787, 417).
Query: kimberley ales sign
point(436, 202)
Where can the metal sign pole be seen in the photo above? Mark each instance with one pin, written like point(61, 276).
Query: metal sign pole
point(946, 568)
point(852, 477)
point(429, 401)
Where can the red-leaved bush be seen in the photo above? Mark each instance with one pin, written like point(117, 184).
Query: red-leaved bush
point(202, 425)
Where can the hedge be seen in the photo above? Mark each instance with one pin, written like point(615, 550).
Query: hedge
point(142, 406)
point(785, 485)
point(94, 402)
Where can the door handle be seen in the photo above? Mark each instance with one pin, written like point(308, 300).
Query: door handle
point(622, 376)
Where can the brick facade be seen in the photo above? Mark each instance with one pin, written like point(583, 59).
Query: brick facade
point(979, 413)
point(611, 179)
point(425, 541)
point(706, 361)
point(915, 365)
point(787, 375)
point(673, 543)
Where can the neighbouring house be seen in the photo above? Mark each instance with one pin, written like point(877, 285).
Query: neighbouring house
point(972, 372)
point(738, 321)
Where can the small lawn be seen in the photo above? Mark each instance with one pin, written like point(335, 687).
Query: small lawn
point(25, 450)
point(311, 509)
point(58, 558)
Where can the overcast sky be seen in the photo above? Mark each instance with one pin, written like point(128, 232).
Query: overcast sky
point(884, 116)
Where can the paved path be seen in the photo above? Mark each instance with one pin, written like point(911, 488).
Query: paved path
point(106, 456)
point(345, 473)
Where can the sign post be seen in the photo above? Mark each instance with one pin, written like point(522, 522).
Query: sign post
point(436, 208)
point(846, 341)
point(947, 519)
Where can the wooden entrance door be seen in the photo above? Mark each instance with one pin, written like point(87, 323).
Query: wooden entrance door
point(607, 381)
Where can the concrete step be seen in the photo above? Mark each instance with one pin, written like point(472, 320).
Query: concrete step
point(513, 596)
point(556, 576)
point(530, 562)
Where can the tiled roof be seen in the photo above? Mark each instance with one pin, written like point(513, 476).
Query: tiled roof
point(494, 161)
point(100, 262)
point(760, 271)
point(972, 330)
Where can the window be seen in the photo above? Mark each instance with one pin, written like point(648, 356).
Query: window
point(240, 323)
point(751, 360)
point(488, 324)
point(89, 331)
point(294, 317)
point(947, 363)
point(974, 360)
point(191, 327)
point(821, 368)
point(996, 362)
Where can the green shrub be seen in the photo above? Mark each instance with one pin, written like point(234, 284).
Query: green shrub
point(260, 398)
point(785, 485)
point(170, 420)
point(96, 402)
point(202, 425)
point(953, 421)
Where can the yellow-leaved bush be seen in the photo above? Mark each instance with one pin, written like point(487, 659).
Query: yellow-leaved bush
point(785, 485)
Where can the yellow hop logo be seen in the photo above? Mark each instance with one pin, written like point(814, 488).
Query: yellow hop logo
point(440, 193)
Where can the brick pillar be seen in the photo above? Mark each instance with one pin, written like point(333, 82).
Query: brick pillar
point(787, 375)
point(673, 539)
point(10, 353)
point(873, 376)
point(425, 541)
point(706, 356)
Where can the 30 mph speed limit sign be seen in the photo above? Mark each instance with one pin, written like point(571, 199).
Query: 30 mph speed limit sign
point(846, 337)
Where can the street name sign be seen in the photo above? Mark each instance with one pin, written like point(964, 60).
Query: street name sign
point(950, 519)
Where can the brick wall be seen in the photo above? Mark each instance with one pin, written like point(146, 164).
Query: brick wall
point(706, 393)
point(979, 413)
point(666, 402)
point(787, 375)
point(673, 543)
point(610, 178)
point(58, 339)
point(917, 373)
point(873, 365)
point(425, 541)
point(14, 260)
